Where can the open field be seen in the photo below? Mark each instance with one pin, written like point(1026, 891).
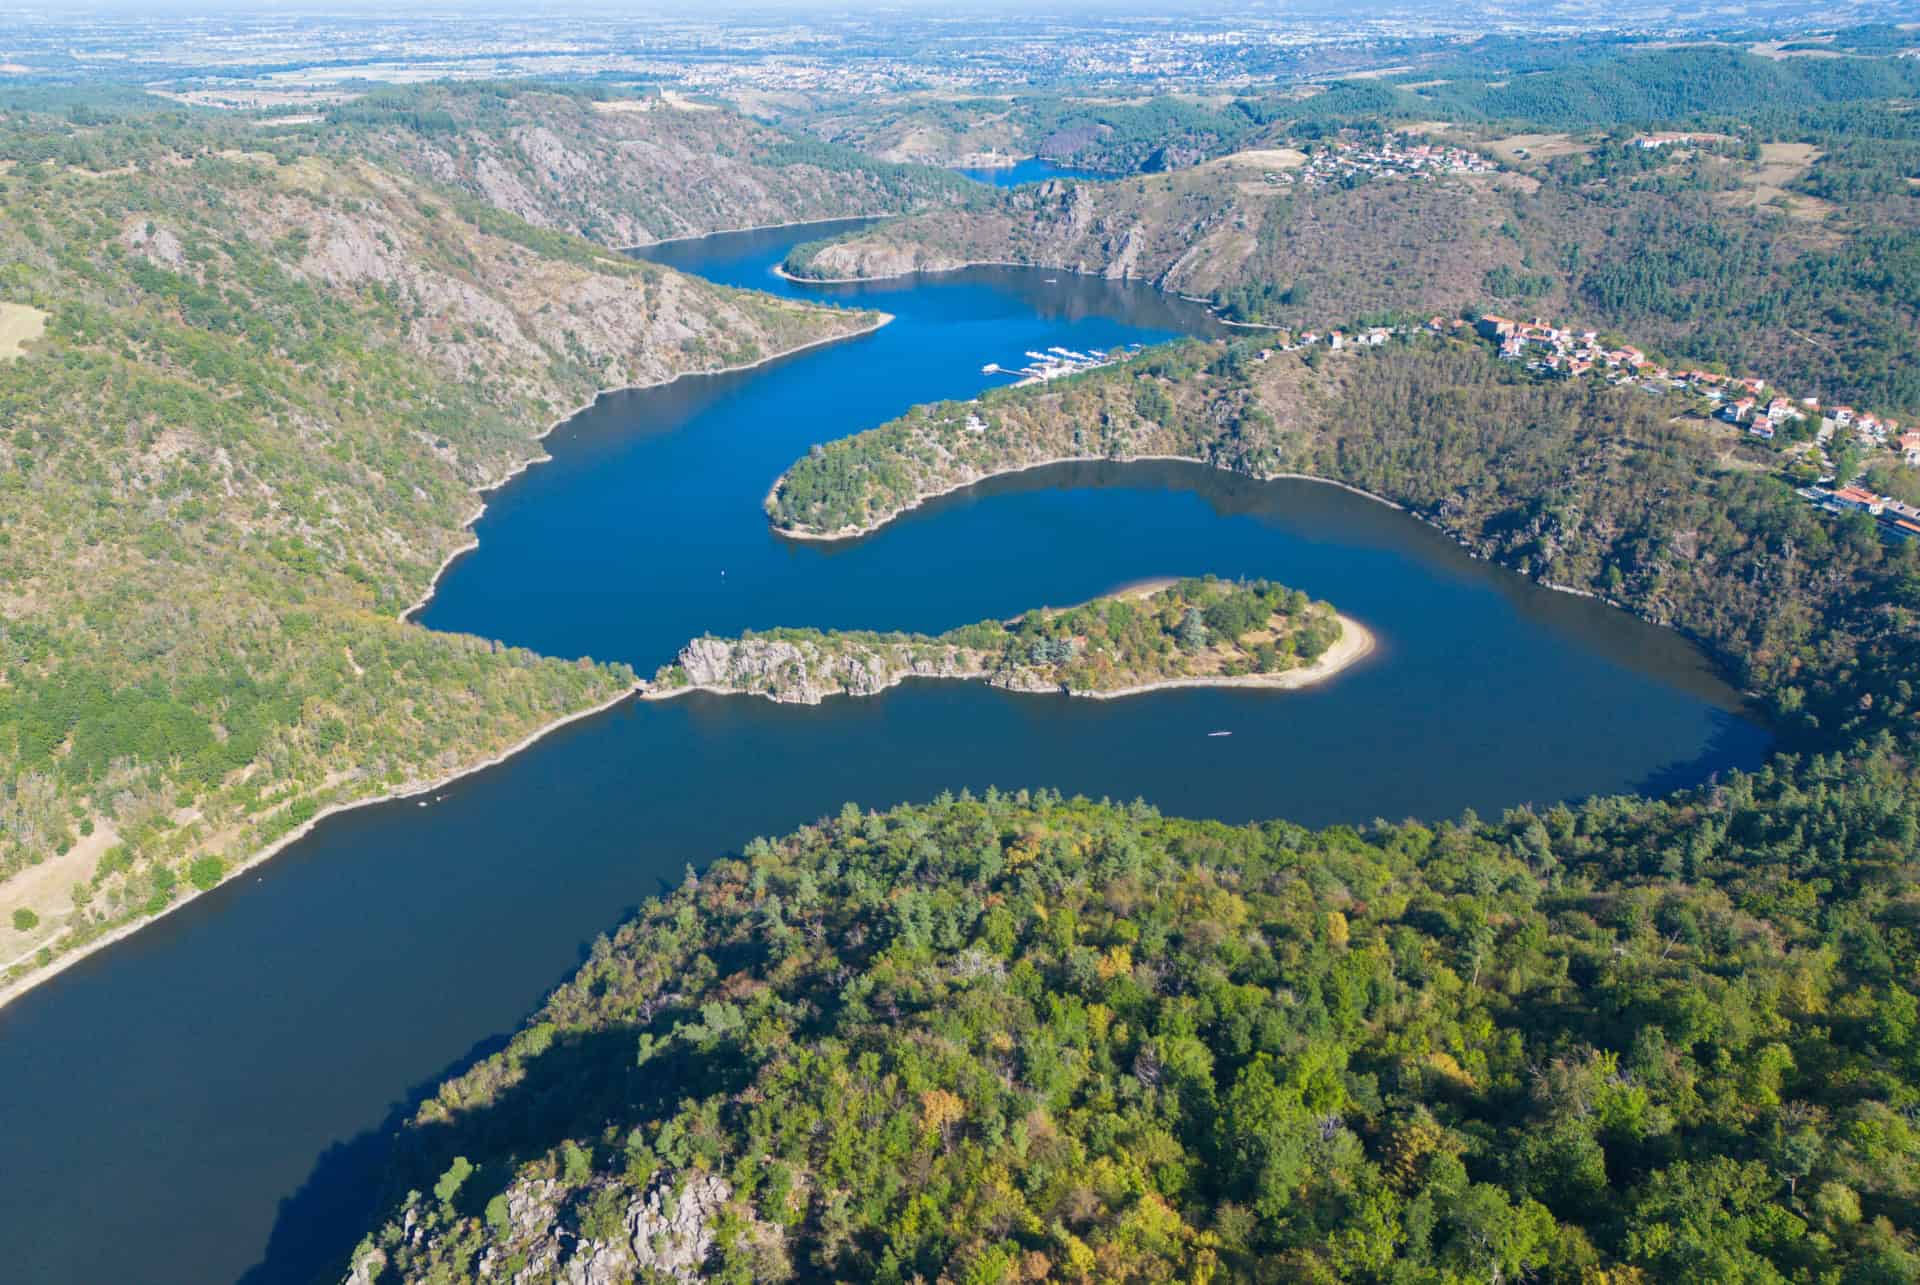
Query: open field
point(1536, 147)
point(19, 326)
point(1269, 158)
point(1781, 164)
point(675, 99)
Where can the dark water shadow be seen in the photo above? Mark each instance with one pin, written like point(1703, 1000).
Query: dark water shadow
point(353, 1179)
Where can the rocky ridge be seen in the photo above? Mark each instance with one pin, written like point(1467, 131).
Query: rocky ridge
point(1117, 644)
point(806, 672)
point(638, 170)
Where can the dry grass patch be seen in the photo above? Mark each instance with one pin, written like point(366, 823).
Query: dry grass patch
point(1536, 147)
point(1781, 164)
point(1268, 158)
point(19, 326)
point(46, 890)
point(680, 102)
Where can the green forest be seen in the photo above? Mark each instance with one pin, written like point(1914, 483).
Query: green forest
point(1017, 1037)
point(1192, 627)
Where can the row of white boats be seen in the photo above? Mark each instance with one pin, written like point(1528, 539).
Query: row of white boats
point(1058, 363)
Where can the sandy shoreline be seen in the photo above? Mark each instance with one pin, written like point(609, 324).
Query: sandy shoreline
point(10, 991)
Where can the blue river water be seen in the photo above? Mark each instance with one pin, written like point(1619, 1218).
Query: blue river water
point(212, 1099)
point(1031, 170)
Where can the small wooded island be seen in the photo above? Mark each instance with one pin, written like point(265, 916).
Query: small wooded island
point(1202, 632)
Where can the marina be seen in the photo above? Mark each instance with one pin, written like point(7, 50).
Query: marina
point(1059, 362)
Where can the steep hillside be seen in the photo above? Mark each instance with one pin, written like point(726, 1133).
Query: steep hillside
point(625, 170)
point(268, 387)
point(1210, 229)
point(1025, 1039)
point(1798, 258)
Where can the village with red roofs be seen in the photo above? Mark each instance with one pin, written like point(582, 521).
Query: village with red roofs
point(1808, 435)
point(1767, 413)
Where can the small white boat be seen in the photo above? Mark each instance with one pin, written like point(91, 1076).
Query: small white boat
point(1219, 733)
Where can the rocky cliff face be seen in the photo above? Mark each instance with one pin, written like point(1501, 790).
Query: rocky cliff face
point(1216, 226)
point(806, 672)
point(1023, 679)
point(635, 171)
point(665, 1233)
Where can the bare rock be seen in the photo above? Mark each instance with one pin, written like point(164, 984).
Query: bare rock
point(807, 671)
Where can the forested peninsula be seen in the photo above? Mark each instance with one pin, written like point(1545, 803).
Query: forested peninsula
point(1577, 484)
point(1183, 633)
point(253, 378)
point(1023, 1038)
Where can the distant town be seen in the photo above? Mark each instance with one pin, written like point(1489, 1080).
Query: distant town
point(1342, 161)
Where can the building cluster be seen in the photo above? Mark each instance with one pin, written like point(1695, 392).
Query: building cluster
point(1898, 518)
point(1652, 142)
point(1391, 159)
point(1746, 401)
point(1369, 337)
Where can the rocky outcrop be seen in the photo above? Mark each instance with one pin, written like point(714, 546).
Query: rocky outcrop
point(1024, 679)
point(666, 1232)
point(805, 671)
point(877, 259)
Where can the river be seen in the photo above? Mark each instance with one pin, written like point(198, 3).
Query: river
point(210, 1100)
point(1031, 170)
